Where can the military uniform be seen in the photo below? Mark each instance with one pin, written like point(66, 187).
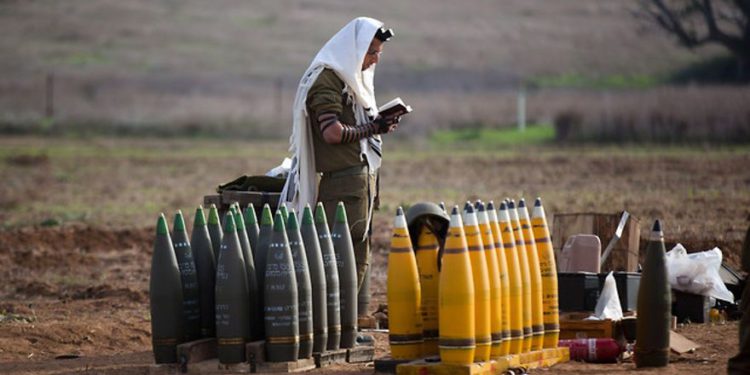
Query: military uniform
point(345, 174)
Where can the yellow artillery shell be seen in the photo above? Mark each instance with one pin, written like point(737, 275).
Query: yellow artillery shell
point(537, 320)
point(456, 298)
point(525, 275)
point(404, 297)
point(488, 242)
point(548, 269)
point(514, 276)
point(502, 266)
point(482, 309)
point(427, 260)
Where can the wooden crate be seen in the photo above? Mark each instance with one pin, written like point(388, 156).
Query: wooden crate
point(577, 329)
point(624, 256)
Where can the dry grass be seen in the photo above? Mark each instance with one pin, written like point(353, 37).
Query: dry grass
point(664, 115)
point(700, 194)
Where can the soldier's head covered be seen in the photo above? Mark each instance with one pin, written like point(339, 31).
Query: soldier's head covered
point(375, 49)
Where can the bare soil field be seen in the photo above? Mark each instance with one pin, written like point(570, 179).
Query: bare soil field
point(77, 228)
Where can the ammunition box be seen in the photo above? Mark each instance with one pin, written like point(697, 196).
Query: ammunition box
point(578, 291)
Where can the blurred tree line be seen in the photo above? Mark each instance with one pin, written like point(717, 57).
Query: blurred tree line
point(695, 23)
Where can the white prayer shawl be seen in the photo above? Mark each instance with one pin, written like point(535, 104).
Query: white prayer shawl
point(344, 53)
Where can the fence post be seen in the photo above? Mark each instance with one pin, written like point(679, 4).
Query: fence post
point(49, 105)
point(521, 109)
point(279, 100)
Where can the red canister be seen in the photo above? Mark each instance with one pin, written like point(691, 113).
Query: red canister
point(593, 350)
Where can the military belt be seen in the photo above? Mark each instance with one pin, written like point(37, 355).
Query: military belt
point(350, 171)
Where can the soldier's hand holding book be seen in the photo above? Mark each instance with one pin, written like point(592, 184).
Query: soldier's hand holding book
point(390, 115)
point(387, 124)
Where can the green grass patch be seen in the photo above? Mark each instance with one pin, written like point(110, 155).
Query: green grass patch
point(9, 317)
point(615, 81)
point(259, 21)
point(483, 137)
point(84, 58)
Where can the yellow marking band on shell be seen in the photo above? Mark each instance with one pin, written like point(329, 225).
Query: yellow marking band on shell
point(405, 339)
point(282, 340)
point(400, 249)
point(457, 343)
point(230, 341)
point(165, 341)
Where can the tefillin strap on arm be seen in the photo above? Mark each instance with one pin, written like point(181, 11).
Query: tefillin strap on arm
point(351, 133)
point(327, 120)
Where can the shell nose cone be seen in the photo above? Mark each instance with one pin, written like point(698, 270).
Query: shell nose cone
point(657, 226)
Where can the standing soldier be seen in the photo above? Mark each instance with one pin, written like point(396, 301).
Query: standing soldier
point(337, 130)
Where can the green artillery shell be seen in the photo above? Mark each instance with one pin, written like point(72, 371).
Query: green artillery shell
point(232, 303)
point(165, 292)
point(205, 267)
point(261, 254)
point(190, 288)
point(317, 281)
point(284, 212)
point(304, 289)
point(251, 226)
point(214, 229)
point(654, 305)
point(333, 300)
point(252, 281)
point(280, 298)
point(344, 249)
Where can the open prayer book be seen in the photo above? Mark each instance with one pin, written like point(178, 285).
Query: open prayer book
point(395, 107)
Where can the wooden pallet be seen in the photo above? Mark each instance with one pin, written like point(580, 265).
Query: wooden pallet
point(188, 355)
point(293, 366)
point(329, 357)
point(536, 359)
point(360, 354)
point(207, 367)
point(255, 352)
point(195, 351)
point(423, 367)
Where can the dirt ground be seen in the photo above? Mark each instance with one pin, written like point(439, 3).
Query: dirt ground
point(80, 289)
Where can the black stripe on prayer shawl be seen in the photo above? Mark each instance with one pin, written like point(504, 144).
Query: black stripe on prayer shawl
point(374, 146)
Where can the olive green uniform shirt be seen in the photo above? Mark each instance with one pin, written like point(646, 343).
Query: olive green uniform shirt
point(326, 96)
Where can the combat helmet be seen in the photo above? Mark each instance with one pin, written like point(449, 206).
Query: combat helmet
point(430, 214)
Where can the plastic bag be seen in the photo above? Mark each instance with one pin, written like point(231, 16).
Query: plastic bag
point(697, 273)
point(282, 170)
point(608, 306)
